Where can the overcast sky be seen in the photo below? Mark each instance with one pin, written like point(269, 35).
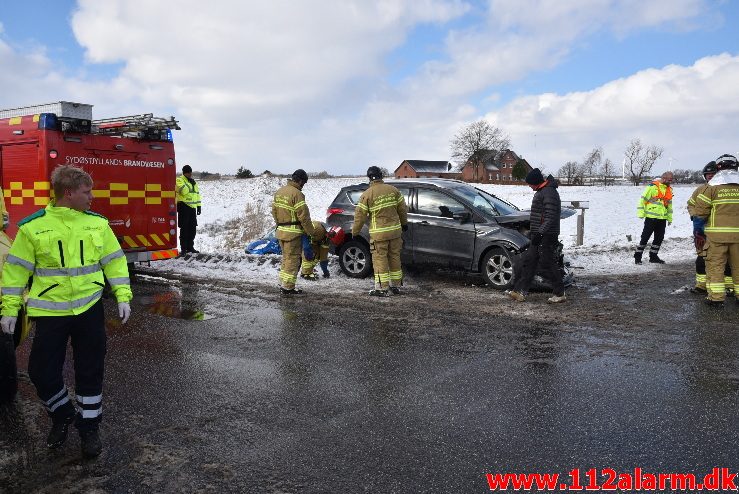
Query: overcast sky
point(339, 85)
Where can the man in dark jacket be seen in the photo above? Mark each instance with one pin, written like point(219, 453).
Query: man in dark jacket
point(545, 213)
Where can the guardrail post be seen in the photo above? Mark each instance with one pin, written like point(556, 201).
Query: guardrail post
point(582, 206)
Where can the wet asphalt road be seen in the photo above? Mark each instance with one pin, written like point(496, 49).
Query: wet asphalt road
point(226, 389)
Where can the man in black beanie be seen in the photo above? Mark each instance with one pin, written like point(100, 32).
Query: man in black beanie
point(545, 213)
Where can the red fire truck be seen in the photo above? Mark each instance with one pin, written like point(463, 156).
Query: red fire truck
point(131, 160)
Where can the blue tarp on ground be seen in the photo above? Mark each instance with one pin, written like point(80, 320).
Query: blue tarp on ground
point(266, 245)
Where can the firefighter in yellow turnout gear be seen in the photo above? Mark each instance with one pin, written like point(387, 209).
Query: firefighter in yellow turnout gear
point(292, 216)
point(717, 218)
point(315, 252)
point(385, 207)
point(701, 242)
point(69, 252)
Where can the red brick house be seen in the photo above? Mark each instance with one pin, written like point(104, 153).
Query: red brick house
point(494, 168)
point(421, 168)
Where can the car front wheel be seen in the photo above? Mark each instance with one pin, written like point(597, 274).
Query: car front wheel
point(355, 259)
point(498, 269)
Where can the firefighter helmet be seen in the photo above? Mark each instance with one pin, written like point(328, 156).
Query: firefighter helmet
point(710, 169)
point(374, 173)
point(726, 162)
point(299, 175)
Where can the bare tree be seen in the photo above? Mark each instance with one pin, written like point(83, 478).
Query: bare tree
point(475, 141)
point(606, 170)
point(569, 171)
point(592, 162)
point(640, 160)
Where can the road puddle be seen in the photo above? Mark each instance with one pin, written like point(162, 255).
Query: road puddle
point(171, 304)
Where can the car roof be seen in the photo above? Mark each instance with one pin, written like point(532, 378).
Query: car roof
point(438, 182)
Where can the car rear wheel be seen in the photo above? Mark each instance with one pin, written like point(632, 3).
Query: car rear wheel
point(498, 269)
point(355, 259)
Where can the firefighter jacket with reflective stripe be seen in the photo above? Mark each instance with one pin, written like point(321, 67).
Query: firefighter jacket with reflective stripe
point(67, 252)
point(188, 192)
point(656, 202)
point(386, 209)
point(319, 242)
point(291, 212)
point(692, 201)
point(720, 205)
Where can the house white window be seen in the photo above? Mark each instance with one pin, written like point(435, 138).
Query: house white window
point(497, 176)
point(503, 165)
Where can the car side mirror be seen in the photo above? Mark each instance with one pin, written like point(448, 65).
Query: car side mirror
point(462, 216)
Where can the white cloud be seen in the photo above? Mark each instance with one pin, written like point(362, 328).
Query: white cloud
point(283, 84)
point(690, 111)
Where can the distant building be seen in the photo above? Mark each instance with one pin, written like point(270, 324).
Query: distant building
point(494, 167)
point(421, 168)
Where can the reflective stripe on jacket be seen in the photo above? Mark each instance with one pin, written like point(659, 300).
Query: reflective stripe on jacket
point(656, 202)
point(319, 243)
point(187, 192)
point(385, 206)
point(291, 213)
point(720, 205)
point(692, 201)
point(67, 252)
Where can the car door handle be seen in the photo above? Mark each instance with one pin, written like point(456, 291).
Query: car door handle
point(424, 222)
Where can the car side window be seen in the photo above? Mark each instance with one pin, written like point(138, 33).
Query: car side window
point(406, 192)
point(354, 196)
point(433, 203)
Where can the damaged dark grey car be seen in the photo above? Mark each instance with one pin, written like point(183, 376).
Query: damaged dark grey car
point(451, 224)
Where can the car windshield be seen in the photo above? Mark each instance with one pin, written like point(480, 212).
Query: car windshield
point(486, 202)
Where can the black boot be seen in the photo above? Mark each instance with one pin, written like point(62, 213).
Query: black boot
point(90, 442)
point(58, 433)
point(637, 257)
point(655, 259)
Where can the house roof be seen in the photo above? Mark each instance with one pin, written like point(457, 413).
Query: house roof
point(422, 166)
point(493, 159)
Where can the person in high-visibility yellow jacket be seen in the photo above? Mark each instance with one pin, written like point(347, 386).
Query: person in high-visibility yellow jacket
point(187, 194)
point(4, 212)
point(655, 206)
point(69, 252)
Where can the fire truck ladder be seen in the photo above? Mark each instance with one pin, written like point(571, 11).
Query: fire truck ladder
point(142, 126)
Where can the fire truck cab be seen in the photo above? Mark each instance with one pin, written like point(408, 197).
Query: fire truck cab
point(131, 160)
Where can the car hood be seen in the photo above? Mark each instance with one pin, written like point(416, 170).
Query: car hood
point(525, 215)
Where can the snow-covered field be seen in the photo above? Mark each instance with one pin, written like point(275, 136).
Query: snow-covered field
point(611, 226)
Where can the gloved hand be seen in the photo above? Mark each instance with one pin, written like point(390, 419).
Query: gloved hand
point(124, 311)
point(404, 227)
point(324, 268)
point(536, 238)
point(6, 221)
point(699, 240)
point(198, 209)
point(8, 324)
